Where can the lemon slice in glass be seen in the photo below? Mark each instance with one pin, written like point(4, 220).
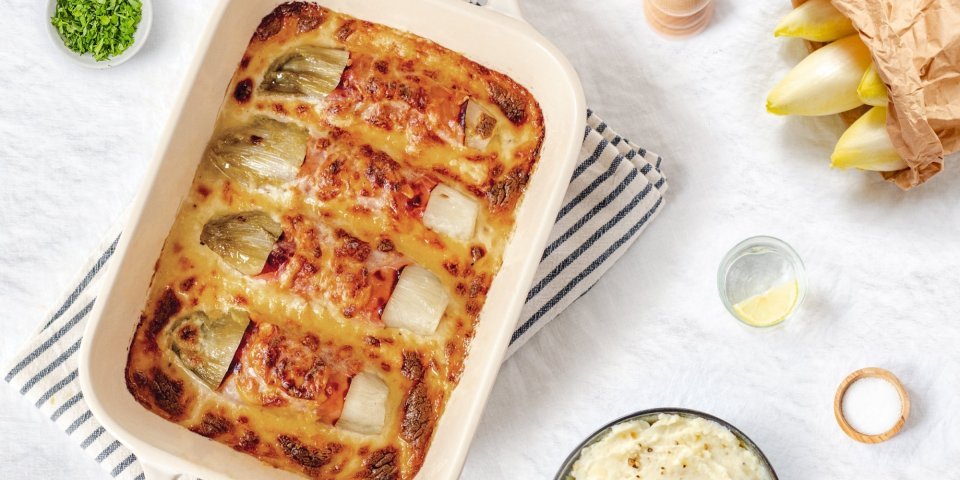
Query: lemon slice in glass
point(768, 308)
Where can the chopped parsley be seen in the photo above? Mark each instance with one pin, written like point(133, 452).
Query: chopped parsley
point(103, 28)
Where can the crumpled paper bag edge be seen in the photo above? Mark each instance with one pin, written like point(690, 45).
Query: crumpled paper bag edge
point(883, 26)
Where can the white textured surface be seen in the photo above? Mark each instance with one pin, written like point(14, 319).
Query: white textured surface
point(883, 265)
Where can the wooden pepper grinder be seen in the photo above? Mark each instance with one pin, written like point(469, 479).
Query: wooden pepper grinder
point(678, 18)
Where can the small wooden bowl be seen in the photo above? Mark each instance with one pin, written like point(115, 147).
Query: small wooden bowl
point(849, 116)
point(878, 373)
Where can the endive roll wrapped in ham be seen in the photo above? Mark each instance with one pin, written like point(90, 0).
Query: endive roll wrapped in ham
point(298, 374)
point(417, 302)
point(263, 152)
point(825, 82)
point(309, 377)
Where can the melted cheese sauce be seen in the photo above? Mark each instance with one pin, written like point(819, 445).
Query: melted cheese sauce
point(351, 220)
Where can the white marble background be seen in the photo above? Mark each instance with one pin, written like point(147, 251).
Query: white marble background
point(884, 265)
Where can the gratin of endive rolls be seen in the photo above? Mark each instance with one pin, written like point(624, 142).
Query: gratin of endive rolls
point(315, 299)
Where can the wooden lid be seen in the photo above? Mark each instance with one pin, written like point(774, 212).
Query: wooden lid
point(878, 373)
point(680, 8)
point(677, 25)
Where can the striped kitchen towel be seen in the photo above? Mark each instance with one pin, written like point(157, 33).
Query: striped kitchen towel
point(615, 191)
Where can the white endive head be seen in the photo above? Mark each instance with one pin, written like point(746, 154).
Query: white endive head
point(866, 145)
point(825, 82)
point(815, 20)
point(872, 91)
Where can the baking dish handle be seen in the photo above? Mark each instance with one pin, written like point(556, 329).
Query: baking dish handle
point(152, 472)
point(510, 8)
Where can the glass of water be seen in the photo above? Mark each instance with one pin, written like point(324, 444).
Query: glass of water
point(762, 281)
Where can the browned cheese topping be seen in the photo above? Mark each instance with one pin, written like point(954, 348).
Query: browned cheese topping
point(314, 302)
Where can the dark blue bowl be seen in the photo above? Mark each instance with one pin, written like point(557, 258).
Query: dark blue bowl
point(651, 415)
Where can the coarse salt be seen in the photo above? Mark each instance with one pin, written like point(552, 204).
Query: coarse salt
point(872, 405)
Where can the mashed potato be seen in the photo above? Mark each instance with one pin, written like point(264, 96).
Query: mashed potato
point(672, 447)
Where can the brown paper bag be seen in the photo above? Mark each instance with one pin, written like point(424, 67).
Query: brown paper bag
point(916, 46)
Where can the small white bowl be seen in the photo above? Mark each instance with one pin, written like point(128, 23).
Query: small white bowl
point(86, 59)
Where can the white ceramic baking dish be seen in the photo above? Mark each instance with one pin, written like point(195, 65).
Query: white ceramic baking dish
point(493, 36)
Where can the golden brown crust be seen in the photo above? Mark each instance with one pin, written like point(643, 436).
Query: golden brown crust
point(348, 223)
point(381, 465)
point(307, 16)
point(167, 306)
point(213, 425)
point(306, 456)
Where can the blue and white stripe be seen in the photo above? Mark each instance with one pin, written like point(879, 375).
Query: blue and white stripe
point(615, 191)
point(45, 373)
